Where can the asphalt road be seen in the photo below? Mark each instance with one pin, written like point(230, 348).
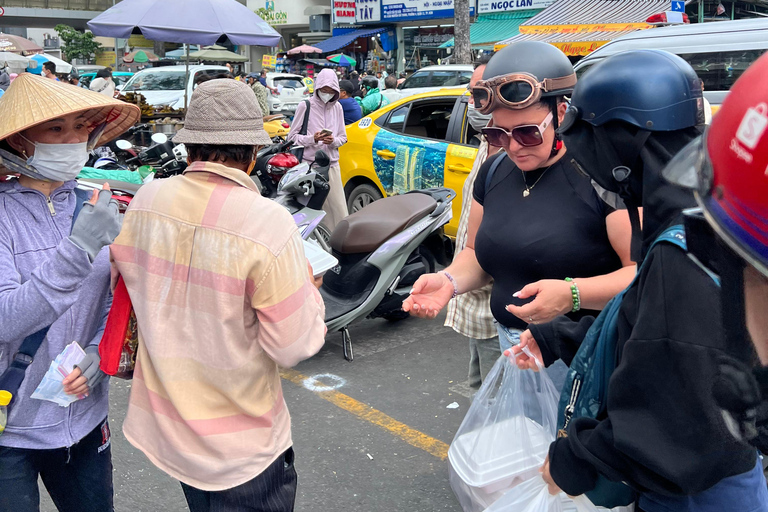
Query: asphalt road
point(375, 443)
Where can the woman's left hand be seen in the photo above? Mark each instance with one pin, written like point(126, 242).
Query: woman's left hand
point(551, 485)
point(553, 298)
point(75, 383)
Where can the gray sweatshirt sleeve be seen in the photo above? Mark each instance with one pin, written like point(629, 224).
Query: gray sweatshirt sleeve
point(96, 340)
point(26, 308)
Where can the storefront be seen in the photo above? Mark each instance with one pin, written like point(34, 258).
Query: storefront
point(494, 26)
point(579, 27)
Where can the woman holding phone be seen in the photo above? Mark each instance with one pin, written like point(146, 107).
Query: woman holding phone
point(324, 131)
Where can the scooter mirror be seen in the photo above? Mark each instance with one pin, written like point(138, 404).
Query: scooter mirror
point(123, 144)
point(322, 159)
point(159, 138)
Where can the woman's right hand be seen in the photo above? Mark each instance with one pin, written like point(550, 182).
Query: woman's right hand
point(523, 360)
point(430, 294)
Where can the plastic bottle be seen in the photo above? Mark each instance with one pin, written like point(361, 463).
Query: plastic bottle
point(5, 399)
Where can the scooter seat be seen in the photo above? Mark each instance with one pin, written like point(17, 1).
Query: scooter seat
point(365, 230)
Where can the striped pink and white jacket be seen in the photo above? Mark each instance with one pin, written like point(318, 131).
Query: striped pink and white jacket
point(222, 294)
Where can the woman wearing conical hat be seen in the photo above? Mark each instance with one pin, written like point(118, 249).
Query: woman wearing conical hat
point(55, 273)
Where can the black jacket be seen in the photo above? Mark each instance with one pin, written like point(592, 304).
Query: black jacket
point(663, 431)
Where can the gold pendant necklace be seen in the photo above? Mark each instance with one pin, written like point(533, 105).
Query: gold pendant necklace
point(528, 189)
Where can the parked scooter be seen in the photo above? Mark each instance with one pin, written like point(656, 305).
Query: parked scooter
point(165, 157)
point(382, 249)
point(277, 127)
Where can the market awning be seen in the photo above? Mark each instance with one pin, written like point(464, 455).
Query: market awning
point(320, 62)
point(579, 27)
point(336, 42)
point(573, 44)
point(490, 28)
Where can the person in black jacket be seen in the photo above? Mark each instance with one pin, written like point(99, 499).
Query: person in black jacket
point(729, 234)
point(663, 434)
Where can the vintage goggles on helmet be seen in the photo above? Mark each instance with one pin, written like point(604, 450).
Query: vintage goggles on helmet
point(516, 91)
point(527, 135)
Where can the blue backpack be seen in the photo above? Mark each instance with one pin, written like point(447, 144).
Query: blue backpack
point(585, 392)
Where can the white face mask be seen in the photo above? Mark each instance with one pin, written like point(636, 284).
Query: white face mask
point(325, 96)
point(477, 120)
point(59, 162)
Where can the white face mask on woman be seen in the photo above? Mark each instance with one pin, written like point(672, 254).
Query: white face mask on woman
point(59, 162)
point(325, 96)
point(477, 120)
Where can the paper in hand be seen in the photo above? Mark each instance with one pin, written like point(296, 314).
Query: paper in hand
point(51, 388)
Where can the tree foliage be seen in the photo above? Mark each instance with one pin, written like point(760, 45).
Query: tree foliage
point(76, 44)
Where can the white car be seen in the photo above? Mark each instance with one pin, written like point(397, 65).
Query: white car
point(432, 78)
point(292, 91)
point(165, 85)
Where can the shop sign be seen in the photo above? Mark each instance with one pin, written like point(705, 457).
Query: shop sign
point(580, 48)
point(367, 10)
point(271, 16)
point(105, 59)
point(407, 10)
point(581, 29)
point(344, 12)
point(485, 6)
point(268, 61)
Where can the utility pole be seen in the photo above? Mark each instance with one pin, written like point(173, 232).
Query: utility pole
point(461, 32)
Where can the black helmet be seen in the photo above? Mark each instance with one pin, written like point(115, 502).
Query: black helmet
point(542, 60)
point(533, 71)
point(651, 89)
point(371, 82)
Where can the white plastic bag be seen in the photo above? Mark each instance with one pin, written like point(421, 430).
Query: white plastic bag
point(505, 435)
point(530, 496)
point(533, 496)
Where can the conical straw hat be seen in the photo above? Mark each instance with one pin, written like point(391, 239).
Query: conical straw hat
point(31, 100)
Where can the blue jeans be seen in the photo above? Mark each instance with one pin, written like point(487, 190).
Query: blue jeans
point(746, 492)
point(509, 336)
point(78, 479)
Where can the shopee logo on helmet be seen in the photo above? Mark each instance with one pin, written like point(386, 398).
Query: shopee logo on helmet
point(753, 125)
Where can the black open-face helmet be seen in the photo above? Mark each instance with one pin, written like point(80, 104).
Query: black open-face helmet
point(370, 82)
point(525, 74)
point(520, 74)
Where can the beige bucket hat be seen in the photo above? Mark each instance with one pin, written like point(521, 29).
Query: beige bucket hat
point(32, 99)
point(223, 112)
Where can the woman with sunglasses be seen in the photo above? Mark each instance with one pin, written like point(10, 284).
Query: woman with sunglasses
point(537, 227)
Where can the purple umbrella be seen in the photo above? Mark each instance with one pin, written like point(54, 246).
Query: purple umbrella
point(185, 21)
point(200, 22)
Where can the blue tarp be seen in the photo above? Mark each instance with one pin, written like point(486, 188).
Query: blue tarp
point(334, 43)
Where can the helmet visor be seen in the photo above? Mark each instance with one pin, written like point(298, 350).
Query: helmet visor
point(689, 167)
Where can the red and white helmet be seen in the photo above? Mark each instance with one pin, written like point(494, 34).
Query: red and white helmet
point(728, 168)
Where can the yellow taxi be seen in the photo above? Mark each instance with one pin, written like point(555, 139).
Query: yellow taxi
point(422, 141)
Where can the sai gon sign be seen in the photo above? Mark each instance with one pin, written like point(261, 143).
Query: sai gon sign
point(485, 6)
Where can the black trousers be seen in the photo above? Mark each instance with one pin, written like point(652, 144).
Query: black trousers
point(274, 490)
point(79, 479)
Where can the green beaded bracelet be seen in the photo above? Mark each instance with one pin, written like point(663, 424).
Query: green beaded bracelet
point(575, 293)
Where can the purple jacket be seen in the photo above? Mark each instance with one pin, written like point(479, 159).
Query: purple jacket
point(45, 279)
point(321, 115)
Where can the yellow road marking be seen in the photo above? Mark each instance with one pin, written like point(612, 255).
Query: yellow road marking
point(411, 436)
